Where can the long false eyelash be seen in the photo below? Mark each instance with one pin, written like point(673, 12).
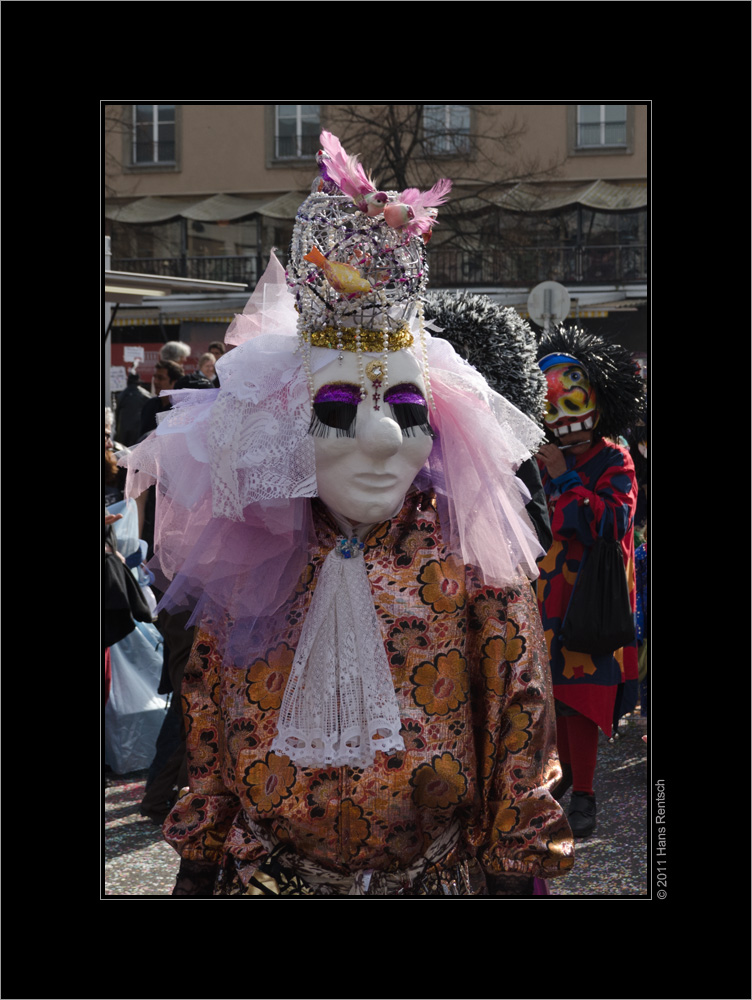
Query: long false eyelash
point(333, 416)
point(412, 418)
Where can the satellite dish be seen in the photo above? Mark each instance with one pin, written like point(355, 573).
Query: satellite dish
point(548, 303)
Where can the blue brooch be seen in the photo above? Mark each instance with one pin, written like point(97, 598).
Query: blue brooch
point(349, 547)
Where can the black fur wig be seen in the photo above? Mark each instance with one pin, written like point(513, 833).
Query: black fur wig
point(496, 341)
point(612, 371)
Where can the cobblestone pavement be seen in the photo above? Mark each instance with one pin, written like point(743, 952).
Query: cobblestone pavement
point(611, 863)
point(614, 860)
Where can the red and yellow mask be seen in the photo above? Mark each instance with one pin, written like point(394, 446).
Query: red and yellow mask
point(570, 399)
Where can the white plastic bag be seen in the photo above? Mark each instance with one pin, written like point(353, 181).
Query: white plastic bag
point(134, 712)
point(129, 545)
point(126, 529)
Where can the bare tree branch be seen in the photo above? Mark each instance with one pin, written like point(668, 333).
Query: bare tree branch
point(402, 146)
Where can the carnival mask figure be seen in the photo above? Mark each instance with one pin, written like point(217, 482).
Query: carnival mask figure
point(571, 411)
point(343, 518)
point(594, 396)
point(593, 386)
point(570, 400)
point(369, 449)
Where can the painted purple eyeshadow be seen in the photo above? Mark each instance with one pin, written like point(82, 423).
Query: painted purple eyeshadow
point(338, 392)
point(404, 394)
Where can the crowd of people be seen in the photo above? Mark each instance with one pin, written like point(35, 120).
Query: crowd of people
point(370, 547)
point(133, 419)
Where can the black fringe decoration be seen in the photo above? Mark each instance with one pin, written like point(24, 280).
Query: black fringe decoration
point(496, 341)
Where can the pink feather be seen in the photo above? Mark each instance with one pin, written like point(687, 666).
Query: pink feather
point(346, 171)
point(422, 203)
point(427, 199)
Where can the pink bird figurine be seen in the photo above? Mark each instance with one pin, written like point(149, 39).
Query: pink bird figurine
point(345, 171)
point(423, 205)
point(398, 215)
point(375, 203)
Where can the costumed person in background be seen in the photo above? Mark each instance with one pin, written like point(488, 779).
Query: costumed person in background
point(638, 449)
point(594, 394)
point(130, 403)
point(368, 700)
point(502, 346)
point(206, 367)
point(641, 621)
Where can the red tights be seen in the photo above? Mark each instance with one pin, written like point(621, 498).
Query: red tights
point(577, 738)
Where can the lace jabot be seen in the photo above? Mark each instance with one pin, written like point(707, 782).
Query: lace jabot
point(339, 705)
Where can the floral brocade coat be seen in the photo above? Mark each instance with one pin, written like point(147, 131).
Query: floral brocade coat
point(472, 682)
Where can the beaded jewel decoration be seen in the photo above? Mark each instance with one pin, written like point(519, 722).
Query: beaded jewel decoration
point(357, 266)
point(349, 547)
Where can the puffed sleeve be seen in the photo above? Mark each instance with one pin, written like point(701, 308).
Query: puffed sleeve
point(199, 822)
point(612, 498)
point(522, 830)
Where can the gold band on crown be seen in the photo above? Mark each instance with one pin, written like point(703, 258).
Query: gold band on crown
point(350, 339)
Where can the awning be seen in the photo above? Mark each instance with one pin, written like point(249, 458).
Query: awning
point(284, 207)
point(602, 196)
point(589, 309)
point(127, 286)
point(151, 209)
point(217, 208)
point(159, 319)
point(224, 208)
point(179, 308)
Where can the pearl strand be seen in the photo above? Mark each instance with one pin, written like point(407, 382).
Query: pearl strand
point(385, 362)
point(361, 367)
point(424, 352)
point(305, 355)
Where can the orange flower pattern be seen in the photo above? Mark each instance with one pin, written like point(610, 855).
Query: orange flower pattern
point(352, 827)
point(472, 686)
point(518, 734)
point(443, 585)
point(269, 781)
point(441, 783)
point(267, 678)
point(443, 685)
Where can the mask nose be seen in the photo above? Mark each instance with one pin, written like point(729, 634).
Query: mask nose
point(380, 436)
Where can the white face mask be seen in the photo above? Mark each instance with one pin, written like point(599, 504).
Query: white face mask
point(364, 470)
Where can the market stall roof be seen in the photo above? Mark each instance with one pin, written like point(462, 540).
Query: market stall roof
point(127, 286)
point(603, 196)
point(217, 208)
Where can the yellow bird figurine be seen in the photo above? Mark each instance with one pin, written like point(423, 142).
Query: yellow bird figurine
point(342, 277)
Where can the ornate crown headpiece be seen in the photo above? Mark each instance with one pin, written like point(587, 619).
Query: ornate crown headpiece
point(357, 266)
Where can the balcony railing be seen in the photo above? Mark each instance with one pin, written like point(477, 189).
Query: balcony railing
point(528, 266)
point(238, 269)
point(296, 146)
point(450, 268)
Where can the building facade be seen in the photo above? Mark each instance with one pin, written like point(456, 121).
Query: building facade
point(542, 192)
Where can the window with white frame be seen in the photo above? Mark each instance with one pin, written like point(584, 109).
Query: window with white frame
point(601, 125)
point(153, 133)
point(296, 131)
point(446, 129)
